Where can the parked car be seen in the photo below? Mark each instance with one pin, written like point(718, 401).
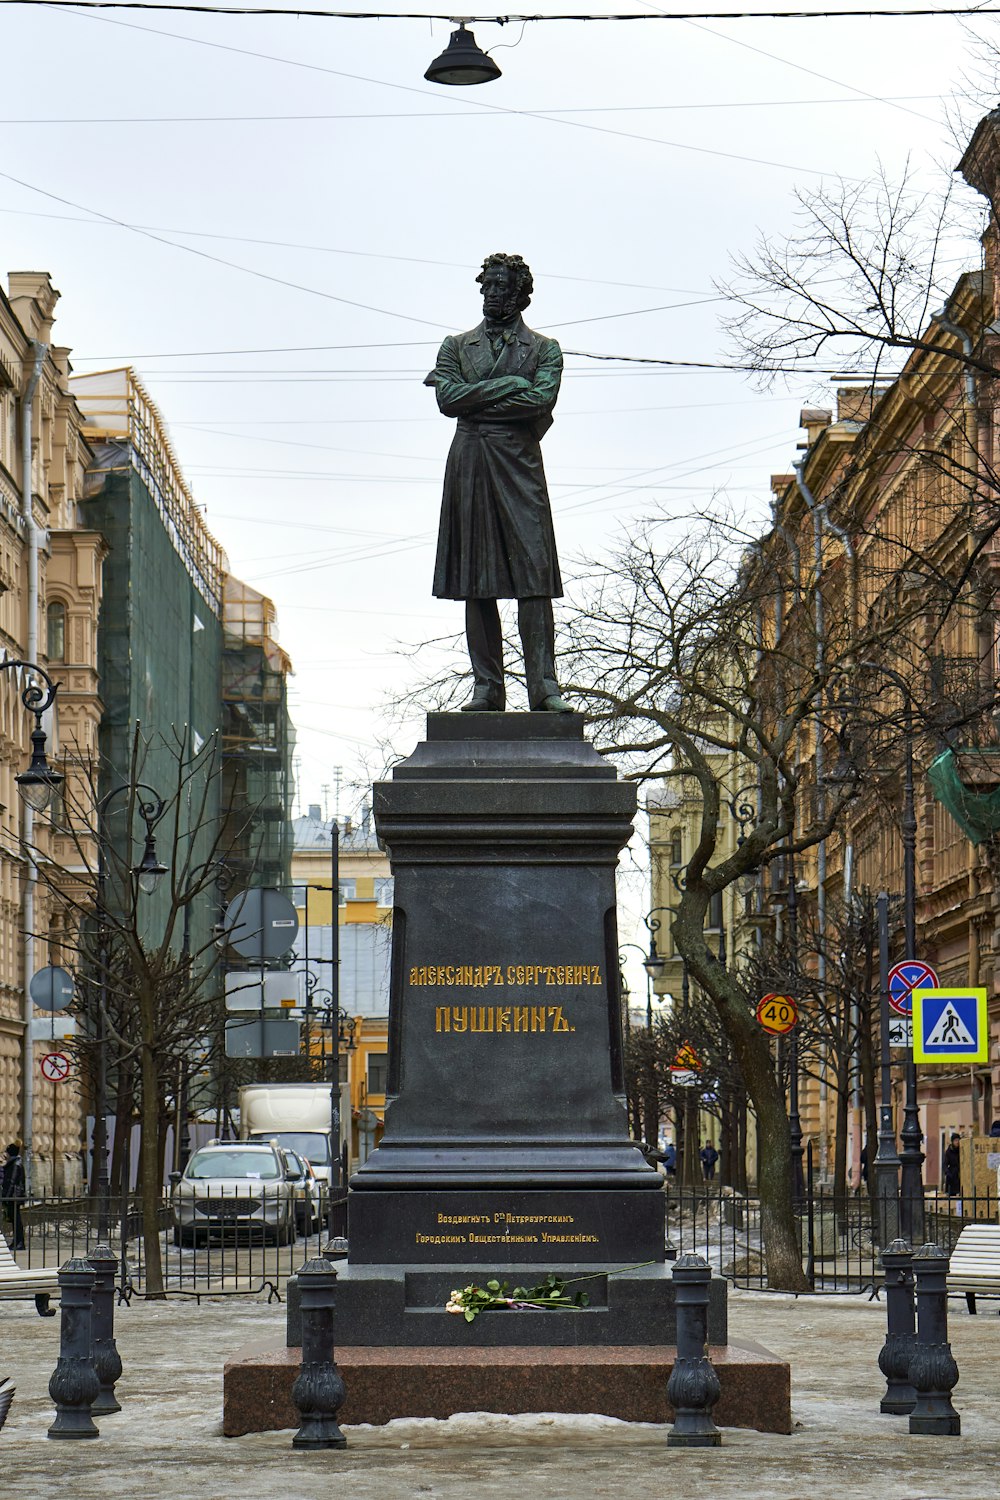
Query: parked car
point(309, 1206)
point(234, 1187)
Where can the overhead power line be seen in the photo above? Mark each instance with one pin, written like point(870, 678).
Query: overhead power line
point(504, 20)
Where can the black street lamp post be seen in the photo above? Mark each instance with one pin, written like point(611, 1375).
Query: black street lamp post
point(342, 1029)
point(886, 1164)
point(35, 786)
point(148, 873)
point(911, 1157)
point(794, 1117)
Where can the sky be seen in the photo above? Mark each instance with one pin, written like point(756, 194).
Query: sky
point(275, 220)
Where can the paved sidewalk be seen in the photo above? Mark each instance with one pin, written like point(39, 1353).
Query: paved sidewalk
point(166, 1444)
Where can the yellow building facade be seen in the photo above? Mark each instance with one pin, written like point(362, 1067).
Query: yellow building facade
point(364, 923)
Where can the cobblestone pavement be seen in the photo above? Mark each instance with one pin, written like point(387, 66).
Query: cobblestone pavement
point(166, 1444)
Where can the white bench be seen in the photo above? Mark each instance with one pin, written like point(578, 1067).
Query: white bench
point(975, 1263)
point(16, 1285)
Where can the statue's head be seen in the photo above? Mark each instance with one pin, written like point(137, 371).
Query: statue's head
point(507, 286)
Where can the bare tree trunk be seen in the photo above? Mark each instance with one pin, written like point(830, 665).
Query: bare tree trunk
point(725, 1139)
point(123, 1124)
point(779, 1226)
point(741, 1183)
point(841, 1118)
point(867, 1056)
point(149, 1151)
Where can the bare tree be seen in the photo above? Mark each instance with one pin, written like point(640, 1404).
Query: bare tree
point(149, 986)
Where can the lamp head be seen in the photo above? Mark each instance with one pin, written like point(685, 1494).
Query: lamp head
point(149, 871)
point(654, 963)
point(39, 781)
point(462, 62)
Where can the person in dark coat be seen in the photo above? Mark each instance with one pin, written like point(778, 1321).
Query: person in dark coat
point(708, 1156)
point(495, 539)
point(12, 1192)
point(952, 1169)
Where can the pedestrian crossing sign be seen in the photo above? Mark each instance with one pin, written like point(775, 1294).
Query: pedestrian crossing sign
point(950, 1026)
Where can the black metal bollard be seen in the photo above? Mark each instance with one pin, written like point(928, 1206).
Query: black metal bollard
point(693, 1387)
point(933, 1371)
point(900, 1339)
point(73, 1385)
point(107, 1360)
point(318, 1391)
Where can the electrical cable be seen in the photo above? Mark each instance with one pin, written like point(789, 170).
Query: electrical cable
point(867, 13)
point(245, 239)
point(441, 114)
point(409, 88)
point(812, 72)
point(218, 259)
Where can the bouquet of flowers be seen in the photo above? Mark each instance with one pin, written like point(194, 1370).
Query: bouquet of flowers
point(550, 1296)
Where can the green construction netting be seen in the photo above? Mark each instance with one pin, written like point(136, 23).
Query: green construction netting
point(976, 813)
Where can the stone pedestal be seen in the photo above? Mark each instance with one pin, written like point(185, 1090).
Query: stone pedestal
point(629, 1383)
point(506, 1147)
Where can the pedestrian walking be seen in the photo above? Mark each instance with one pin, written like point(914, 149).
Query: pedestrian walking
point(670, 1160)
point(708, 1156)
point(952, 1169)
point(12, 1192)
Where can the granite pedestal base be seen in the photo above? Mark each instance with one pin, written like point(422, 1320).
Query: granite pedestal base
point(385, 1383)
point(401, 1306)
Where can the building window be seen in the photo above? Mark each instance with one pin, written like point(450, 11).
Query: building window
point(384, 887)
point(298, 895)
point(715, 912)
point(378, 1072)
point(676, 850)
point(348, 891)
point(55, 621)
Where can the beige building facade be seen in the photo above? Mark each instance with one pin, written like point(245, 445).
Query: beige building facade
point(50, 591)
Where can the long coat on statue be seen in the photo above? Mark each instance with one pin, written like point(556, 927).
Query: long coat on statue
point(496, 539)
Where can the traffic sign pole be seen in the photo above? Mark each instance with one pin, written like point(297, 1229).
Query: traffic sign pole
point(887, 1159)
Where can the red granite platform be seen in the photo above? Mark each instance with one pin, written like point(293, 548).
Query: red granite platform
point(383, 1383)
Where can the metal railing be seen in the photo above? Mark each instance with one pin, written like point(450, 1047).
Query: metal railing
point(249, 1238)
point(837, 1231)
point(243, 1238)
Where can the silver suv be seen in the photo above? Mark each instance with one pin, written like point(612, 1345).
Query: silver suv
point(229, 1187)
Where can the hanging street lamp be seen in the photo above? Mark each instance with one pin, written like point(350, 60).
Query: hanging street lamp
point(462, 62)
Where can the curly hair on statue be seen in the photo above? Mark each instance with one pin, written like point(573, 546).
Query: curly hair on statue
point(520, 276)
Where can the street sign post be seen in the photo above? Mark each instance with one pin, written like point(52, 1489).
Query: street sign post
point(777, 1013)
point(912, 974)
point(901, 1032)
point(262, 1035)
point(51, 988)
point(55, 1067)
point(260, 924)
point(686, 1068)
point(950, 1026)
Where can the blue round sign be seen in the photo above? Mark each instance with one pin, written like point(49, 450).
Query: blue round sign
point(912, 974)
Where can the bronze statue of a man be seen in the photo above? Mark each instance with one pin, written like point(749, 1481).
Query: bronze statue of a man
point(496, 540)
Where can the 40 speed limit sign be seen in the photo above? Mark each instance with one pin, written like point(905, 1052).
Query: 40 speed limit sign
point(777, 1013)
